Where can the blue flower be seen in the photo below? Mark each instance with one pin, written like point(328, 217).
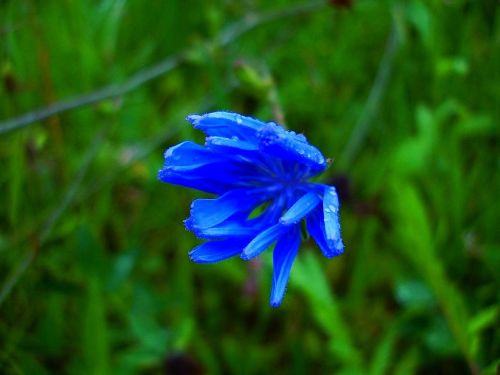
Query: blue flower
point(260, 175)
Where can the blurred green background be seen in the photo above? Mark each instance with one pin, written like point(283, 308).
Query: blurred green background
point(94, 272)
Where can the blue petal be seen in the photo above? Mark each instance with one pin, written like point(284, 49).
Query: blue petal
point(215, 251)
point(206, 213)
point(188, 155)
point(235, 226)
point(300, 209)
point(288, 145)
point(226, 124)
point(188, 163)
point(316, 227)
point(270, 137)
point(192, 181)
point(271, 214)
point(284, 254)
point(239, 225)
point(331, 218)
point(246, 153)
point(262, 241)
point(226, 230)
point(216, 178)
point(194, 166)
point(232, 144)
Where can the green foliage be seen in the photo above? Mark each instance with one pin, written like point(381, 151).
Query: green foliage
point(94, 273)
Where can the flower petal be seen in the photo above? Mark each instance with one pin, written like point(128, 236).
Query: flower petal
point(206, 213)
point(316, 227)
point(239, 225)
point(288, 145)
point(215, 251)
point(271, 214)
point(235, 226)
point(284, 254)
point(262, 241)
point(192, 181)
point(189, 155)
point(331, 219)
point(232, 144)
point(300, 209)
point(226, 124)
point(191, 165)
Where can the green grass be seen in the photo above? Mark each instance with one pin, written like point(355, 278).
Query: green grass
point(94, 272)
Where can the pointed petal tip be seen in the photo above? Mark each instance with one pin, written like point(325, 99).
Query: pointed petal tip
point(275, 303)
point(159, 174)
point(193, 256)
point(201, 260)
point(248, 253)
point(163, 175)
point(336, 247)
point(193, 119)
point(188, 224)
point(245, 257)
point(333, 254)
point(168, 153)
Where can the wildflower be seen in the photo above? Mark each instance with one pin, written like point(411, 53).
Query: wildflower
point(259, 173)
